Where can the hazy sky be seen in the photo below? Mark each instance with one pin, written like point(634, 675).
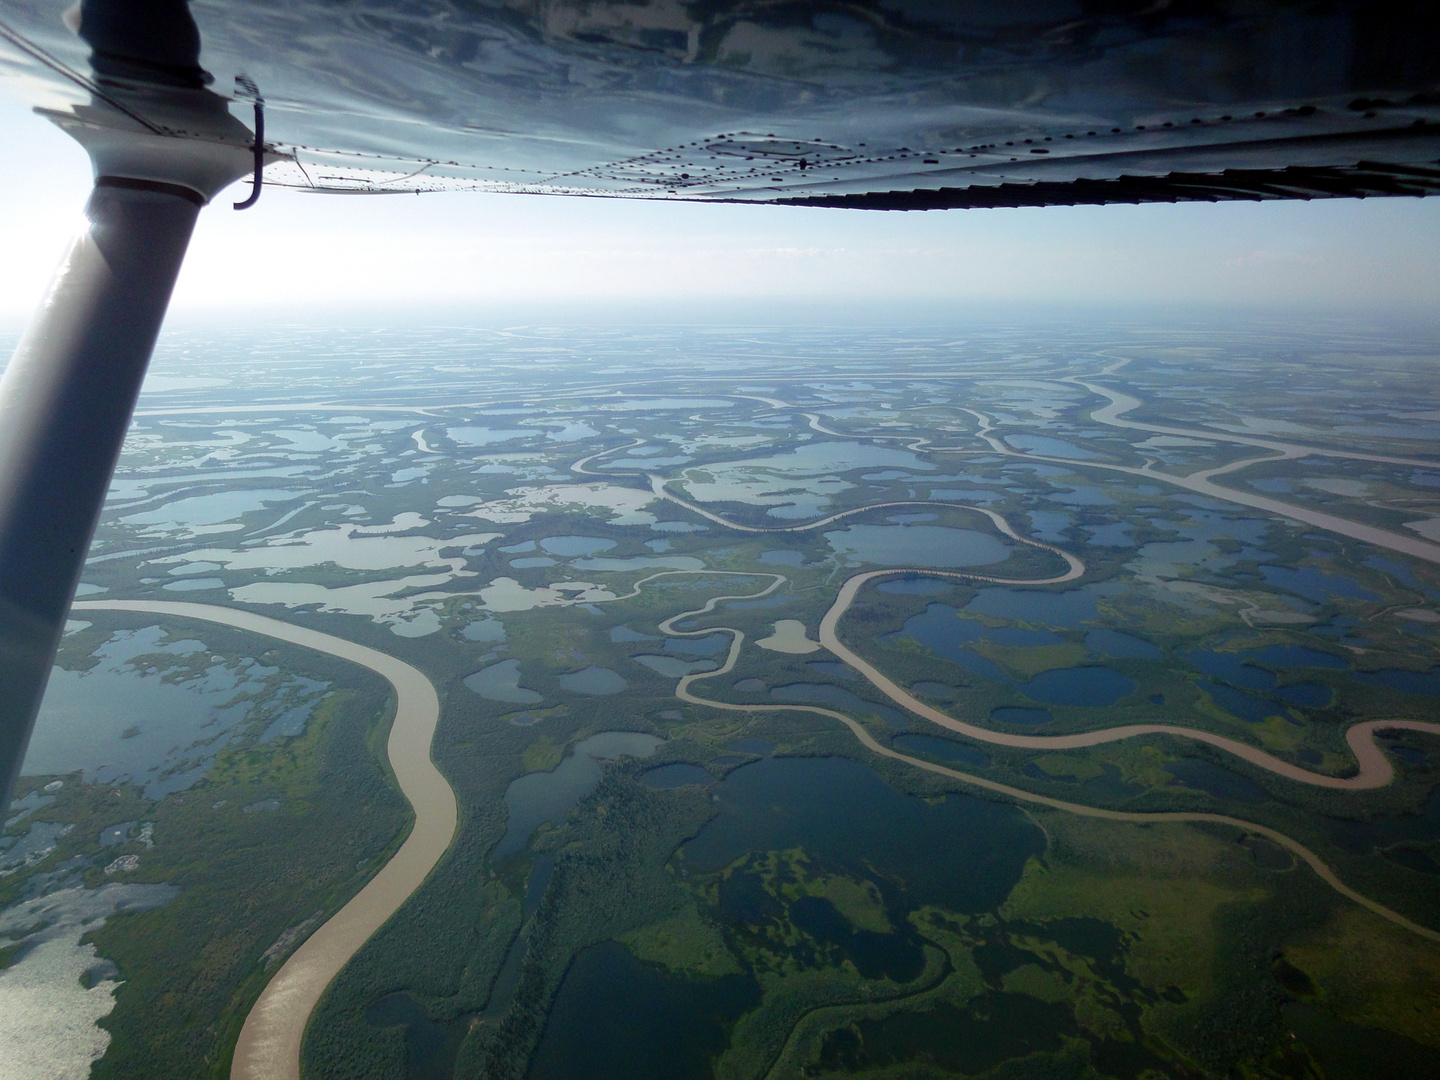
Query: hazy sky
point(297, 254)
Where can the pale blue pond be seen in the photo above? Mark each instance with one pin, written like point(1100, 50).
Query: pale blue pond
point(487, 630)
point(1050, 525)
point(1115, 534)
point(482, 436)
point(210, 509)
point(119, 721)
point(624, 633)
point(532, 562)
point(571, 432)
point(549, 796)
point(916, 545)
point(672, 667)
point(597, 681)
point(1043, 444)
point(194, 584)
point(698, 646)
point(783, 558)
point(569, 546)
point(501, 682)
point(823, 457)
point(1082, 496)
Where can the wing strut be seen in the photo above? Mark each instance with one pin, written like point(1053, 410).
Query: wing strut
point(68, 392)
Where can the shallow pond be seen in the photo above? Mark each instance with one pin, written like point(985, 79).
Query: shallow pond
point(916, 545)
point(593, 680)
point(501, 682)
point(1120, 646)
point(1084, 686)
point(961, 853)
point(1044, 444)
point(698, 646)
point(549, 796)
point(615, 1018)
point(1314, 584)
point(672, 667)
point(575, 545)
point(1063, 609)
point(1221, 782)
point(116, 723)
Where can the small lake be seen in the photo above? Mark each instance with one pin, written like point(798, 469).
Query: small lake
point(1084, 686)
point(916, 545)
point(615, 1018)
point(961, 853)
point(482, 436)
point(593, 680)
point(501, 682)
point(1211, 778)
point(1043, 444)
point(1314, 584)
point(549, 796)
point(1063, 609)
point(1120, 646)
point(116, 723)
point(569, 546)
point(698, 646)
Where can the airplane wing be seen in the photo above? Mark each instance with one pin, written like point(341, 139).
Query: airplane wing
point(881, 104)
point(878, 104)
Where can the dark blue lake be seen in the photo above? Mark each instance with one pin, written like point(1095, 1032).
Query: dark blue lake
point(615, 1018)
point(1063, 609)
point(1120, 646)
point(1314, 584)
point(961, 853)
point(1087, 686)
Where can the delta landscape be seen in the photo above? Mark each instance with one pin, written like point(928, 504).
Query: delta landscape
point(1026, 702)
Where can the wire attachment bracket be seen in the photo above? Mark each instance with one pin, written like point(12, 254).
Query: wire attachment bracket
point(246, 88)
